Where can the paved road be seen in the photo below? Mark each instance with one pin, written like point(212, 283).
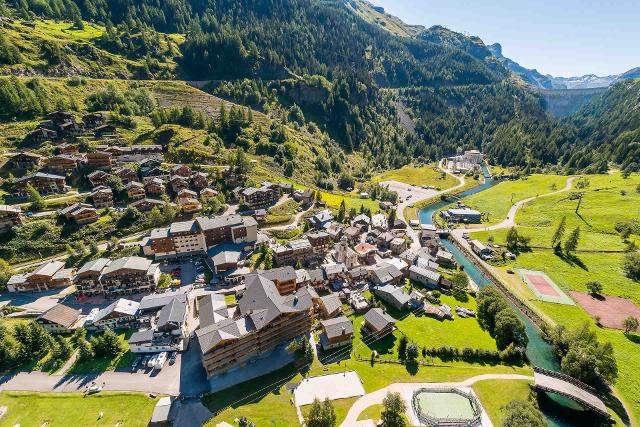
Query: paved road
point(101, 246)
point(407, 389)
point(411, 232)
point(510, 220)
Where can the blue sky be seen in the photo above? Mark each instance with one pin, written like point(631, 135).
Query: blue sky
point(559, 37)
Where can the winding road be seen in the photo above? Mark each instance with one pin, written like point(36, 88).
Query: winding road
point(510, 220)
point(406, 390)
point(412, 232)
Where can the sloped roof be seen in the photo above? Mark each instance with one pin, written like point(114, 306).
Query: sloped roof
point(48, 269)
point(155, 301)
point(123, 306)
point(336, 326)
point(94, 266)
point(212, 309)
point(331, 303)
point(128, 263)
point(174, 312)
point(377, 318)
point(61, 314)
point(386, 273)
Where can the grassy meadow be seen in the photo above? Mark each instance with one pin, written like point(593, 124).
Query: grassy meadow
point(497, 200)
point(29, 409)
point(607, 200)
point(418, 175)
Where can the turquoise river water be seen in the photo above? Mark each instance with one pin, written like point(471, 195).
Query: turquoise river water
point(558, 411)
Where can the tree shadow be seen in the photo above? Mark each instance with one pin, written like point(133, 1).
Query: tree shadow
point(412, 368)
point(633, 337)
point(571, 259)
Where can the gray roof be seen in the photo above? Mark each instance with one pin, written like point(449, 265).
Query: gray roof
point(94, 266)
point(212, 308)
point(48, 269)
point(156, 301)
point(378, 318)
point(337, 326)
point(183, 227)
point(386, 273)
point(429, 274)
point(395, 293)
point(140, 337)
point(40, 175)
point(260, 304)
point(128, 263)
point(172, 313)
point(226, 253)
point(280, 274)
point(331, 303)
point(61, 314)
point(208, 222)
point(159, 233)
point(123, 306)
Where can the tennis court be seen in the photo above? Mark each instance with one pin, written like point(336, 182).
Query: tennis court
point(543, 287)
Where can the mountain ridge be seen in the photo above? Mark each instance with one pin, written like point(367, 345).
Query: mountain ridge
point(547, 81)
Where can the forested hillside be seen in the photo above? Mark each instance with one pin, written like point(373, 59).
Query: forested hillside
point(340, 65)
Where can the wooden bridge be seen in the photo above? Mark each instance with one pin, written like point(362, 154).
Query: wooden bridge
point(564, 385)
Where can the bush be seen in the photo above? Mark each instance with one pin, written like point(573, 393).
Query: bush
point(631, 265)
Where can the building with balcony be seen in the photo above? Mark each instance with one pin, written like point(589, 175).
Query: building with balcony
point(263, 320)
point(10, 216)
point(45, 183)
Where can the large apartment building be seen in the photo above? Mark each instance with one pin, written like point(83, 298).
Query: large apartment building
point(195, 236)
point(262, 320)
point(123, 276)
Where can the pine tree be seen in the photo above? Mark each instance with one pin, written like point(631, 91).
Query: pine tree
point(572, 241)
point(557, 235)
point(341, 211)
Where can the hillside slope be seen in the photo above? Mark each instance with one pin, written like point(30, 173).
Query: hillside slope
point(60, 49)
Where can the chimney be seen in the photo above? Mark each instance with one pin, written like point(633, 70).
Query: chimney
point(344, 330)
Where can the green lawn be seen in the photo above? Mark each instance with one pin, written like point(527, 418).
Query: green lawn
point(422, 175)
point(497, 200)
point(608, 199)
point(282, 214)
point(341, 406)
point(75, 409)
point(351, 200)
point(265, 400)
point(494, 395)
point(373, 412)
point(430, 332)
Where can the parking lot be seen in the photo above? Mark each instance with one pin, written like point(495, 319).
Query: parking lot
point(410, 193)
point(187, 271)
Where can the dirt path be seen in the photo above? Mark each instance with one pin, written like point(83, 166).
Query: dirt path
point(406, 390)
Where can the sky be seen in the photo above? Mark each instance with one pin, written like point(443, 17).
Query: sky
point(563, 38)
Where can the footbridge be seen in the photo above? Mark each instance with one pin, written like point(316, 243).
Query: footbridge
point(564, 385)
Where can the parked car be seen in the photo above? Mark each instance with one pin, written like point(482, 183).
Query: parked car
point(134, 365)
point(173, 357)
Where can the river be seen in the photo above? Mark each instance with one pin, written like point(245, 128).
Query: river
point(559, 412)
